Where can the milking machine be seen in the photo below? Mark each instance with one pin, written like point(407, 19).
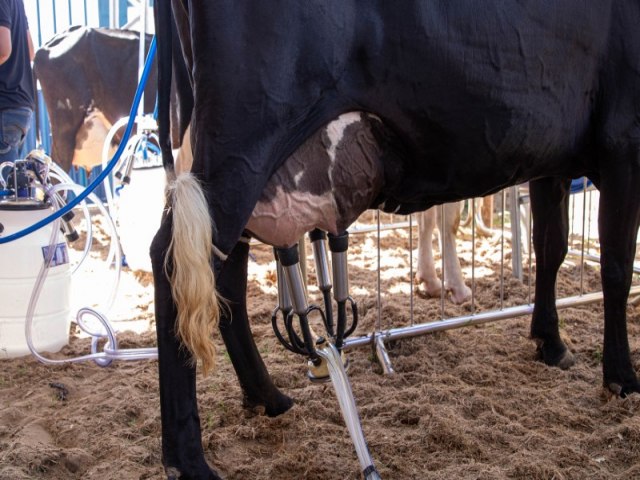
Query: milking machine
point(292, 300)
point(33, 188)
point(34, 207)
point(326, 361)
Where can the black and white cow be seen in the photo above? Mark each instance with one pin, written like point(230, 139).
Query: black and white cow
point(88, 78)
point(459, 99)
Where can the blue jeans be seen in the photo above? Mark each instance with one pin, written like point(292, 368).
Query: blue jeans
point(14, 124)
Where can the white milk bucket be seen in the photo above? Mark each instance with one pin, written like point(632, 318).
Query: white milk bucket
point(20, 263)
point(139, 211)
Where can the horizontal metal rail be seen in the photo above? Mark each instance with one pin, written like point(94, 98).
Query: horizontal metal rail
point(468, 320)
point(596, 259)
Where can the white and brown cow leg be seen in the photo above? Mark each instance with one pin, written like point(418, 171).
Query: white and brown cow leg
point(339, 244)
point(428, 283)
point(453, 279)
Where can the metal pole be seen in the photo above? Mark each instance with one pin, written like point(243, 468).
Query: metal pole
point(411, 269)
point(114, 14)
point(473, 256)
point(468, 320)
point(53, 11)
point(516, 237)
point(443, 290)
point(378, 289)
point(504, 199)
point(39, 26)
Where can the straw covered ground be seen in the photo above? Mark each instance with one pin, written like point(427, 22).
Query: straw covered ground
point(471, 403)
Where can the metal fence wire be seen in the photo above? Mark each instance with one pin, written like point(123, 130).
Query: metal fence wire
point(500, 260)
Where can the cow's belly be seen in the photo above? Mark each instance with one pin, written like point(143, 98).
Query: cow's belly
point(327, 183)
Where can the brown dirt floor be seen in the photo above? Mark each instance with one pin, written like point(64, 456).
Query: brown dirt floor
point(471, 403)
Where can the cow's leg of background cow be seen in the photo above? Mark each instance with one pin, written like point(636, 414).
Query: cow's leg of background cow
point(618, 221)
point(550, 210)
point(453, 279)
point(182, 452)
point(257, 386)
point(426, 275)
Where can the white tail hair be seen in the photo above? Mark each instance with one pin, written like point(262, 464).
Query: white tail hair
point(192, 278)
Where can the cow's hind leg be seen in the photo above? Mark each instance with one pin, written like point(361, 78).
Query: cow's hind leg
point(428, 282)
point(619, 217)
point(549, 208)
point(257, 386)
point(453, 278)
point(182, 451)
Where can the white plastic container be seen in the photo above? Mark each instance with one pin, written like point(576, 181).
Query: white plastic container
point(140, 207)
point(20, 262)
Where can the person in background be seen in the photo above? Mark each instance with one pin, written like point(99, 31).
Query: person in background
point(17, 100)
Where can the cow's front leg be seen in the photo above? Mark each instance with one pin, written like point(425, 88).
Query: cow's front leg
point(618, 220)
point(550, 209)
point(257, 385)
point(182, 452)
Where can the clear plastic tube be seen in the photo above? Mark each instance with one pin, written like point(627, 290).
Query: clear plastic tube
point(114, 256)
point(348, 407)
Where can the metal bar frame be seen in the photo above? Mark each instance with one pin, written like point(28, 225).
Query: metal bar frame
point(376, 340)
point(468, 320)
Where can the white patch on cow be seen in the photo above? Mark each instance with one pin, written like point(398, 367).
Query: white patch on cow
point(297, 177)
point(64, 43)
point(335, 131)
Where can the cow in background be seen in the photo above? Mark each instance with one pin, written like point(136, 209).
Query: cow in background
point(88, 78)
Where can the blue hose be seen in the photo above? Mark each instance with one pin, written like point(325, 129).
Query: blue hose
point(100, 178)
point(577, 185)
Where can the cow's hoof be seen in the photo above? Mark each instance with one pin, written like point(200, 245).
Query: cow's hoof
point(555, 354)
point(621, 390)
point(272, 407)
point(428, 289)
point(175, 474)
point(460, 294)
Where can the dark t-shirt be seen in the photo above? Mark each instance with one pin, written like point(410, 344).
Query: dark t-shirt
point(16, 79)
